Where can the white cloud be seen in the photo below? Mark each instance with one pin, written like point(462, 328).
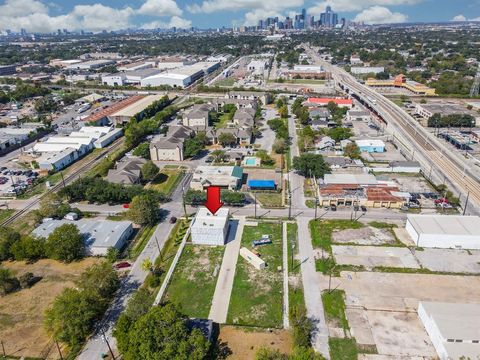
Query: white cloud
point(175, 21)
point(459, 18)
point(463, 18)
point(357, 5)
point(380, 15)
point(34, 16)
point(160, 8)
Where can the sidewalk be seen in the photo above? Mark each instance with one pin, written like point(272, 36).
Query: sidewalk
point(223, 289)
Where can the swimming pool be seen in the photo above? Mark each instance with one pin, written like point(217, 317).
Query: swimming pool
point(251, 161)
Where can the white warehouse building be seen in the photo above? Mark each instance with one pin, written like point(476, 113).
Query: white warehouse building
point(209, 229)
point(444, 231)
point(453, 328)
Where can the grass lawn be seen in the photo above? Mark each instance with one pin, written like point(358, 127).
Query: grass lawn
point(223, 120)
point(321, 231)
point(270, 199)
point(225, 82)
point(140, 241)
point(166, 181)
point(308, 188)
point(257, 294)
point(343, 349)
point(5, 214)
point(310, 204)
point(334, 307)
point(197, 265)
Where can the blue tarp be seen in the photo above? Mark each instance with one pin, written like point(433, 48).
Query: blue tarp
point(264, 184)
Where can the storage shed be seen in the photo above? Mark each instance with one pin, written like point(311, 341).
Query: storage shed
point(253, 259)
point(261, 185)
point(209, 229)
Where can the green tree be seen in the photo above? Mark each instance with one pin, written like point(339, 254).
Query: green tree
point(72, 316)
point(340, 133)
point(279, 146)
point(227, 139)
point(28, 248)
point(51, 205)
point(113, 254)
point(65, 244)
point(193, 147)
point(218, 155)
point(7, 238)
point(149, 170)
point(162, 334)
point(313, 164)
point(143, 210)
point(352, 151)
point(143, 150)
point(264, 157)
point(283, 112)
point(8, 282)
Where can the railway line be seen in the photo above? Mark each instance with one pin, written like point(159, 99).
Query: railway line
point(67, 180)
point(457, 174)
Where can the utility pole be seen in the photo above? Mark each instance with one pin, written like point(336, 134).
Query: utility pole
point(183, 202)
point(158, 246)
point(3, 349)
point(63, 180)
point(108, 344)
point(293, 248)
point(466, 203)
point(58, 348)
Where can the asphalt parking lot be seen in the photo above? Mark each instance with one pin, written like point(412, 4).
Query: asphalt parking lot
point(13, 181)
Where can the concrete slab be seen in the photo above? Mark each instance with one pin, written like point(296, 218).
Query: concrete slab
point(359, 326)
point(400, 334)
point(372, 256)
point(403, 236)
point(450, 260)
point(364, 236)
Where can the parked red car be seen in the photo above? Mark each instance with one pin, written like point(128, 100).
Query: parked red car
point(122, 265)
point(440, 201)
point(126, 206)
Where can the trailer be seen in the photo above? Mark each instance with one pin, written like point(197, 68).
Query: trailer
point(265, 240)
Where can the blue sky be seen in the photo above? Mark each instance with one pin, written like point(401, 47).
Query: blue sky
point(96, 15)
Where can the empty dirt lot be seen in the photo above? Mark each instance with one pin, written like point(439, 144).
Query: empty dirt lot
point(244, 343)
point(22, 312)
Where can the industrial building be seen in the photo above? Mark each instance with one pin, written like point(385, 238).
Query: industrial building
point(6, 70)
point(444, 231)
point(453, 328)
point(358, 115)
point(90, 65)
point(444, 108)
point(371, 145)
point(210, 229)
point(363, 70)
point(400, 81)
point(226, 177)
point(125, 113)
point(99, 235)
point(180, 77)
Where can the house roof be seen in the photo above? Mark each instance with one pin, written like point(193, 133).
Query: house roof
point(327, 100)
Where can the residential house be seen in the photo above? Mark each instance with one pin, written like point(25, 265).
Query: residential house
point(226, 177)
point(244, 118)
point(198, 117)
point(325, 143)
point(264, 97)
point(170, 147)
point(127, 172)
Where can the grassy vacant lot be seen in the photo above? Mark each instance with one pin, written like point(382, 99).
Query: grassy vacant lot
point(225, 82)
point(334, 307)
point(257, 294)
point(166, 180)
point(322, 231)
point(343, 349)
point(295, 288)
point(140, 241)
point(194, 280)
point(268, 200)
point(5, 214)
point(22, 313)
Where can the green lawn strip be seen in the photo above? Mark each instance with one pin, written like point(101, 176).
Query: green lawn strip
point(225, 82)
point(223, 120)
point(270, 199)
point(343, 349)
point(5, 214)
point(334, 307)
point(166, 181)
point(193, 282)
point(257, 297)
point(141, 241)
point(296, 297)
point(310, 204)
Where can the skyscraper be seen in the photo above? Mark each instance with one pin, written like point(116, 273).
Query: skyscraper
point(328, 18)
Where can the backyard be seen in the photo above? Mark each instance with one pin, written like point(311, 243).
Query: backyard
point(257, 294)
point(197, 265)
point(166, 181)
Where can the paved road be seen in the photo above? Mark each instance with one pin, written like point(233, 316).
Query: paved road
point(223, 289)
point(311, 288)
point(96, 346)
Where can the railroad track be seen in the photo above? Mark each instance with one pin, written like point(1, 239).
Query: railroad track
point(461, 177)
point(67, 180)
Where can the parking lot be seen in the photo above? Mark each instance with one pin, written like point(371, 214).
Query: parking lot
point(14, 181)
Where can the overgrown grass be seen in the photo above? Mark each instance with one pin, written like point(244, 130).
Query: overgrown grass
point(343, 349)
point(5, 214)
point(197, 265)
point(270, 200)
point(321, 231)
point(257, 297)
point(166, 181)
point(141, 241)
point(334, 307)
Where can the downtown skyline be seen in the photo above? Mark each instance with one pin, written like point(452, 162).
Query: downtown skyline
point(42, 16)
